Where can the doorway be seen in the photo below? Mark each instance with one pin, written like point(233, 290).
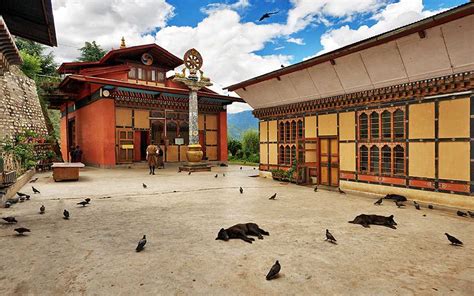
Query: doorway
point(144, 142)
point(329, 161)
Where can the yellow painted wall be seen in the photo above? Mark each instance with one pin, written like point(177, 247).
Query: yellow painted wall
point(201, 122)
point(272, 131)
point(310, 127)
point(311, 156)
point(263, 131)
point(327, 125)
point(123, 117)
point(454, 162)
point(211, 152)
point(264, 153)
point(421, 124)
point(211, 137)
point(347, 156)
point(273, 153)
point(454, 118)
point(421, 160)
point(141, 119)
point(211, 121)
point(347, 126)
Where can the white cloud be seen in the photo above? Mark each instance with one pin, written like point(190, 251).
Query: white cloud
point(279, 48)
point(298, 41)
point(392, 16)
point(219, 6)
point(238, 107)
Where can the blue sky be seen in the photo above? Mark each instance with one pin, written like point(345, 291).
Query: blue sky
point(234, 44)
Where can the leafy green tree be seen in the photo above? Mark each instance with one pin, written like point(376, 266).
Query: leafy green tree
point(47, 63)
point(250, 142)
point(31, 64)
point(233, 146)
point(91, 52)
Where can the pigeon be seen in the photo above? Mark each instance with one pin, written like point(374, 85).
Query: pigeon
point(144, 185)
point(22, 199)
point(21, 230)
point(267, 15)
point(471, 214)
point(378, 202)
point(66, 214)
point(7, 204)
point(281, 66)
point(35, 190)
point(399, 204)
point(273, 271)
point(254, 169)
point(21, 194)
point(179, 170)
point(42, 209)
point(461, 214)
point(27, 197)
point(241, 190)
point(417, 206)
point(34, 180)
point(240, 168)
point(273, 196)
point(430, 207)
point(340, 191)
point(88, 200)
point(141, 244)
point(83, 203)
point(330, 237)
point(316, 189)
point(453, 240)
point(189, 173)
point(223, 174)
point(10, 219)
point(216, 176)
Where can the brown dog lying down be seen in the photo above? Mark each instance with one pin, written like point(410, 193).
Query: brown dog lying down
point(365, 220)
point(241, 231)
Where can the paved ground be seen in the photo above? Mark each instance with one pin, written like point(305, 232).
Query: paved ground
point(93, 253)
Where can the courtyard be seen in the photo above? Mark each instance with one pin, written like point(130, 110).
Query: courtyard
point(94, 252)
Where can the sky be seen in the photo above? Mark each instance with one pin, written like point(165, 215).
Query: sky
point(234, 44)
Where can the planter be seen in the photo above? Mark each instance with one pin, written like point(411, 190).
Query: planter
point(194, 153)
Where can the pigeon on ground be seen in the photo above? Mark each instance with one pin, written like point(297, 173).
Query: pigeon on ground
point(141, 244)
point(22, 199)
point(378, 202)
point(34, 180)
point(27, 197)
point(471, 214)
point(216, 176)
point(10, 219)
point(21, 194)
point(83, 203)
point(241, 190)
point(179, 170)
point(453, 240)
point(461, 214)
point(189, 173)
point(21, 230)
point(240, 168)
point(430, 207)
point(399, 204)
point(7, 204)
point(254, 169)
point(267, 15)
point(35, 190)
point(223, 174)
point(273, 271)
point(88, 200)
point(340, 191)
point(273, 196)
point(330, 237)
point(42, 209)
point(417, 206)
point(66, 214)
point(144, 185)
point(315, 188)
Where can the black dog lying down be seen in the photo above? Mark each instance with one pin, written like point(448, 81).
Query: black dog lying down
point(365, 220)
point(396, 197)
point(241, 231)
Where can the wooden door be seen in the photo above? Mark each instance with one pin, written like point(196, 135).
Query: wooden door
point(329, 162)
point(125, 145)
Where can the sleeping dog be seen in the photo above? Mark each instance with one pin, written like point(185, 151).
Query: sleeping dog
point(241, 231)
point(366, 220)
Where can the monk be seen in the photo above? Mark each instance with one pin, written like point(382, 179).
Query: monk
point(152, 156)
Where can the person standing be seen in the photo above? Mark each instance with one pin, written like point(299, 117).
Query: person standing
point(152, 156)
point(161, 163)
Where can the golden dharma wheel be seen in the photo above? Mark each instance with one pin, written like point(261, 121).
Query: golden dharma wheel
point(193, 59)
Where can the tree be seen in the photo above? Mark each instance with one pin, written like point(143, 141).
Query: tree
point(91, 52)
point(31, 64)
point(233, 146)
point(47, 65)
point(250, 142)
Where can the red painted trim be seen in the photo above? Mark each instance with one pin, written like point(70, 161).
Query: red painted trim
point(222, 131)
point(421, 184)
point(136, 145)
point(347, 175)
point(454, 187)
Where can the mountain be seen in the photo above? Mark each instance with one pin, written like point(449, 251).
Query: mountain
point(237, 123)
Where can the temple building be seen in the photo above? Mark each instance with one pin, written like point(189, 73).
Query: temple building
point(119, 104)
point(390, 114)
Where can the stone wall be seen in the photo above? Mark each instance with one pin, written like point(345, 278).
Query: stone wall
point(20, 107)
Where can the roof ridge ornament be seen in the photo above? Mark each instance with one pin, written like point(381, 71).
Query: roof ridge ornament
point(122, 42)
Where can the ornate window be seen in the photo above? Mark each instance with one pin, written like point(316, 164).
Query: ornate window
point(363, 127)
point(300, 129)
point(287, 155)
point(293, 131)
point(287, 132)
point(374, 126)
point(282, 132)
point(399, 160)
point(374, 159)
point(281, 155)
point(364, 158)
point(386, 125)
point(293, 155)
point(399, 124)
point(386, 160)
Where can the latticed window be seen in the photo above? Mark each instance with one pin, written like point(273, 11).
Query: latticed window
point(281, 155)
point(282, 132)
point(293, 131)
point(300, 129)
point(386, 160)
point(293, 154)
point(287, 154)
point(399, 160)
point(386, 125)
point(363, 127)
point(287, 132)
point(374, 126)
point(399, 124)
point(374, 159)
point(364, 159)
point(301, 154)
